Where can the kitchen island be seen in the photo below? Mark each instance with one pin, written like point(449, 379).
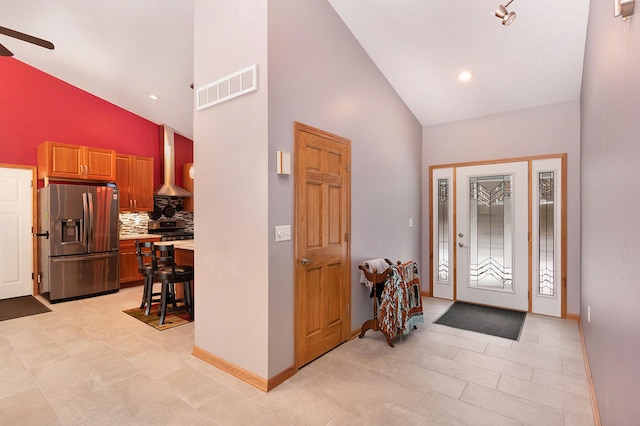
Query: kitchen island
point(127, 237)
point(188, 245)
point(183, 256)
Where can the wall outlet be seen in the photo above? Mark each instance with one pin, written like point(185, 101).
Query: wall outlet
point(588, 313)
point(410, 222)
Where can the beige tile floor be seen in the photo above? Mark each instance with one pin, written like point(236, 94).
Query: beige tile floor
point(87, 363)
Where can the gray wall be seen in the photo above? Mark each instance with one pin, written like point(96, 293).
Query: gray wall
point(610, 207)
point(319, 75)
point(550, 129)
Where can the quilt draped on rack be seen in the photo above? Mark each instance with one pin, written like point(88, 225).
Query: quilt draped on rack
point(401, 304)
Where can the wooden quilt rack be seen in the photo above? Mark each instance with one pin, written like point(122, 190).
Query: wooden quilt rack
point(378, 279)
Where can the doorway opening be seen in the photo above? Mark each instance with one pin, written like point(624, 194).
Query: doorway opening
point(498, 233)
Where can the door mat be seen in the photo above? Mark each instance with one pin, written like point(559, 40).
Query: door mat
point(23, 306)
point(173, 318)
point(484, 319)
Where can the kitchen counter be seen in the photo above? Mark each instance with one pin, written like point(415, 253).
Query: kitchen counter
point(180, 244)
point(138, 236)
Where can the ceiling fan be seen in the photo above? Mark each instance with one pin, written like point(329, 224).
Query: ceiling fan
point(24, 37)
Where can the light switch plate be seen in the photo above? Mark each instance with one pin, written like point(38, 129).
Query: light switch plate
point(283, 233)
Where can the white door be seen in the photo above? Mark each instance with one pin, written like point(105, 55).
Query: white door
point(16, 241)
point(492, 223)
point(442, 232)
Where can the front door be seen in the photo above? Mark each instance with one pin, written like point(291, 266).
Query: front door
point(16, 240)
point(322, 222)
point(478, 253)
point(492, 226)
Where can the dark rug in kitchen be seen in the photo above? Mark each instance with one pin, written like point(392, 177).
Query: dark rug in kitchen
point(23, 306)
point(173, 318)
point(484, 319)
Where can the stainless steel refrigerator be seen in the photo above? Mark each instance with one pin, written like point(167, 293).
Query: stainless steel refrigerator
point(79, 230)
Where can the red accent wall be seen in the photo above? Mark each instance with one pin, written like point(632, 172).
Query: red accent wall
point(35, 107)
point(183, 148)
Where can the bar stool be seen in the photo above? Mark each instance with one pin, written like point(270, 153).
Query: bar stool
point(168, 273)
point(144, 253)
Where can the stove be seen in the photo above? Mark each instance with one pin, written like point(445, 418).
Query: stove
point(169, 230)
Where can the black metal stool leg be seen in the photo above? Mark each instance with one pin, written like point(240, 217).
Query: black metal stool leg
point(144, 294)
point(172, 291)
point(163, 302)
point(148, 283)
point(188, 299)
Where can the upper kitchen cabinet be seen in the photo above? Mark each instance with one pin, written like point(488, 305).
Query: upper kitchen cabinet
point(75, 162)
point(134, 177)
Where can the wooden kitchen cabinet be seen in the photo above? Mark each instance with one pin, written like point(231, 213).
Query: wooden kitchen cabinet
point(75, 162)
point(129, 275)
point(187, 183)
point(134, 177)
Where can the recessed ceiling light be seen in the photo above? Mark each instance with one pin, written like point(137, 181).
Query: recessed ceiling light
point(152, 96)
point(465, 76)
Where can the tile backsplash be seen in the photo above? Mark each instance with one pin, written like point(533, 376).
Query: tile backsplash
point(137, 223)
point(162, 202)
point(133, 223)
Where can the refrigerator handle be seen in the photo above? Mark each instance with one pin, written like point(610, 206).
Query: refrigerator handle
point(85, 218)
point(90, 233)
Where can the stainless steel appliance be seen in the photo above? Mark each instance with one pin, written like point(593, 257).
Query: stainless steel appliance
point(169, 230)
point(79, 249)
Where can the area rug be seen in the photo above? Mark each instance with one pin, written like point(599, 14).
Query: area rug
point(484, 319)
point(23, 306)
point(173, 318)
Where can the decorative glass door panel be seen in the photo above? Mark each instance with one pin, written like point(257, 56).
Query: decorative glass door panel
point(546, 231)
point(490, 233)
point(546, 196)
point(492, 220)
point(442, 232)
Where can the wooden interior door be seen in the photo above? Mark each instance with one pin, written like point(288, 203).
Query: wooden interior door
point(322, 226)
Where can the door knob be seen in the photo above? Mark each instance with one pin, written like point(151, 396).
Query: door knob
point(304, 260)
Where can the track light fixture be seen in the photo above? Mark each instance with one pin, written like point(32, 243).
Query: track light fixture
point(502, 13)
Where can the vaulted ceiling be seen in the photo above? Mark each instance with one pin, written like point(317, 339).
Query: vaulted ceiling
point(123, 51)
point(422, 45)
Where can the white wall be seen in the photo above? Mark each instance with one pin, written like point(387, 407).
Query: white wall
point(550, 129)
point(319, 75)
point(610, 207)
point(230, 162)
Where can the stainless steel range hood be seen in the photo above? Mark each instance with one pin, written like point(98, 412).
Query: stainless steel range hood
point(169, 187)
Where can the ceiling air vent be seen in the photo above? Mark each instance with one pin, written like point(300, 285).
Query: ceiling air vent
point(229, 87)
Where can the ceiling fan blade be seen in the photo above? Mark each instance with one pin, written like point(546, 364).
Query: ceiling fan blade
point(26, 37)
point(4, 51)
